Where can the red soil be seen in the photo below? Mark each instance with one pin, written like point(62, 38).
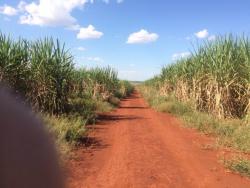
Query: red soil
point(135, 146)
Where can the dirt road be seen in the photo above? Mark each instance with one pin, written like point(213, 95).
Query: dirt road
point(136, 147)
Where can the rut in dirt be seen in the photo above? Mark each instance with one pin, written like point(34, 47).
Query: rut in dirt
point(135, 146)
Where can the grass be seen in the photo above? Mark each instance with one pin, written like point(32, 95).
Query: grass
point(239, 165)
point(67, 131)
point(215, 77)
point(103, 106)
point(42, 72)
point(209, 90)
point(232, 133)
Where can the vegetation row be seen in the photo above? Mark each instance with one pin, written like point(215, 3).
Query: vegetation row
point(43, 74)
point(209, 90)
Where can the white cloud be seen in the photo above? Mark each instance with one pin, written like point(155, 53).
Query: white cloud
point(21, 6)
point(202, 34)
point(89, 33)
point(53, 13)
point(181, 55)
point(8, 10)
point(212, 37)
point(142, 36)
point(80, 48)
point(50, 12)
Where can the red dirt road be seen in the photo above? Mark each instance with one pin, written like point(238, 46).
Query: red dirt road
point(136, 147)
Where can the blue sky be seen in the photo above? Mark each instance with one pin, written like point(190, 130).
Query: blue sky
point(136, 37)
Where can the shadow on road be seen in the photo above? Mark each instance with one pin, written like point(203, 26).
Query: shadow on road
point(134, 107)
point(117, 118)
point(93, 142)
